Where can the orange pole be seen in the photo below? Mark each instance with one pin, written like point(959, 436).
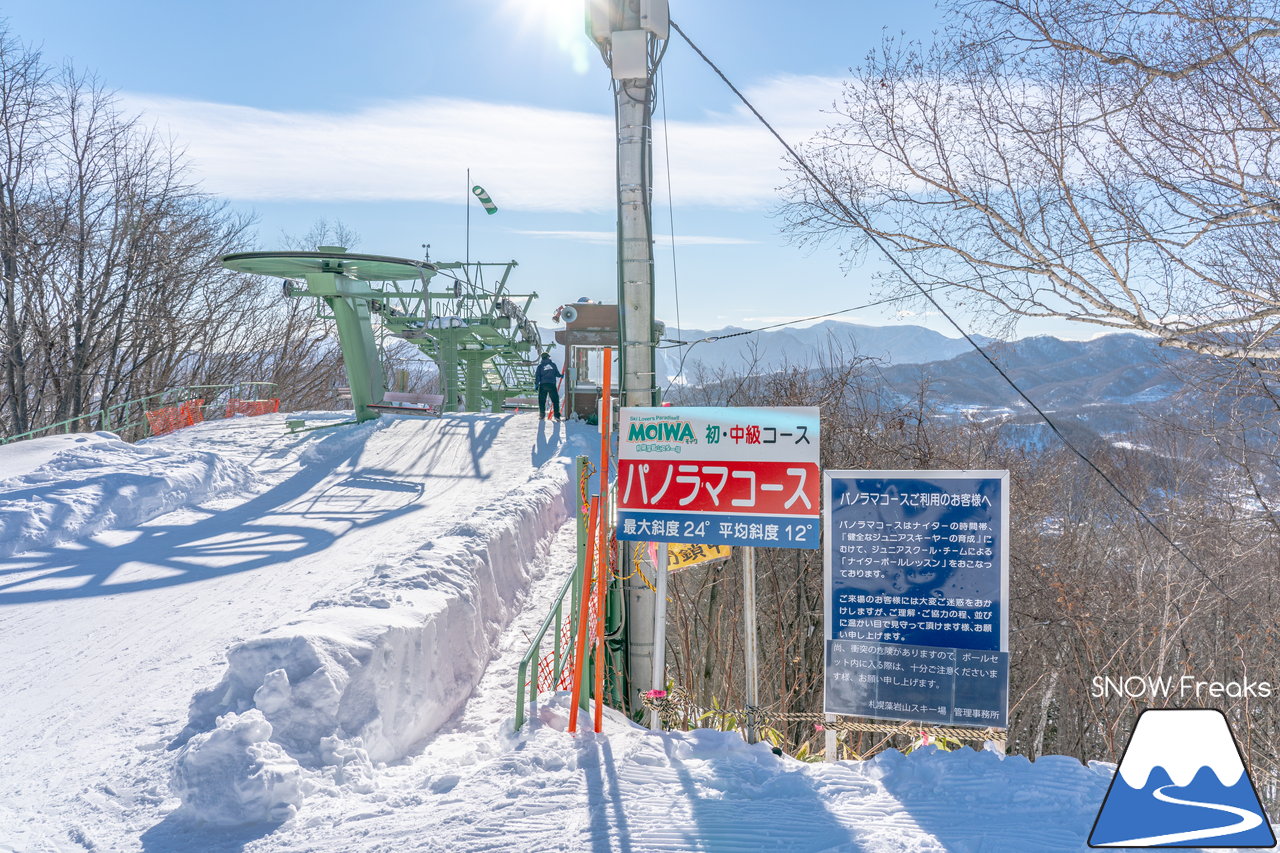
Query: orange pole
point(580, 645)
point(606, 412)
point(602, 554)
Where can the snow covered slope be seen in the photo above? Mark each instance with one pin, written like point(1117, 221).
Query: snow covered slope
point(105, 639)
point(235, 640)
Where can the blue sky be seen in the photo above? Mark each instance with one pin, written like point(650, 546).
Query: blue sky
point(371, 114)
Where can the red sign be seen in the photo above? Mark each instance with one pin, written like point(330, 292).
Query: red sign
point(773, 488)
point(720, 476)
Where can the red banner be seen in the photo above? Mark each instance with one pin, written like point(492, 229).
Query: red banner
point(724, 486)
point(170, 418)
point(252, 407)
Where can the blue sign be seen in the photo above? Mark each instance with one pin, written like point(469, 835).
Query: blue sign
point(711, 529)
point(926, 684)
point(917, 560)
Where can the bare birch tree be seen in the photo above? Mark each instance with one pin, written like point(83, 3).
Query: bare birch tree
point(110, 282)
point(1103, 161)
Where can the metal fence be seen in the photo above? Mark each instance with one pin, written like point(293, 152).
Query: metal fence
point(129, 419)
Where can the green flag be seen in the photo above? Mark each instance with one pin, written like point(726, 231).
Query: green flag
point(489, 206)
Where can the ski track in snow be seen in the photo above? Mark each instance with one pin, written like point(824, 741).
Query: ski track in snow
point(98, 686)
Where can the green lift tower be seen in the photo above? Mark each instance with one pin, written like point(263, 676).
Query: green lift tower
point(478, 334)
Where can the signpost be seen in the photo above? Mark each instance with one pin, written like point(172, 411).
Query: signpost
point(916, 604)
point(720, 476)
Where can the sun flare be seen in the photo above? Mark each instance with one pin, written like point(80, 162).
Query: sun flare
point(559, 22)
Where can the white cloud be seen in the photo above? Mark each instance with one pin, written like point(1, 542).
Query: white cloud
point(609, 238)
point(529, 158)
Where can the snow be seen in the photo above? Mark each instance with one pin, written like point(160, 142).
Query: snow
point(237, 639)
point(62, 487)
point(236, 775)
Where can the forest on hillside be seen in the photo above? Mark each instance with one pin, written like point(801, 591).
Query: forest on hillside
point(110, 283)
point(1095, 588)
point(1105, 163)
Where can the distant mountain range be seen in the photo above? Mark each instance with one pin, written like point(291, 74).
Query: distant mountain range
point(728, 348)
point(1105, 387)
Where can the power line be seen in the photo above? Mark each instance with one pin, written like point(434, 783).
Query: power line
point(671, 342)
point(927, 293)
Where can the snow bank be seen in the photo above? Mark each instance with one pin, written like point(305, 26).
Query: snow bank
point(367, 675)
point(709, 790)
point(235, 775)
point(66, 487)
point(478, 788)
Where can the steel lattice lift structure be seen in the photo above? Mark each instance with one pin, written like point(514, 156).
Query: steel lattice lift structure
point(478, 334)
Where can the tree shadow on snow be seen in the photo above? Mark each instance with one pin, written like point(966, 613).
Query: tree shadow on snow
point(267, 530)
point(1047, 806)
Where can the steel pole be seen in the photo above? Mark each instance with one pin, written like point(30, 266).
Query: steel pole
point(750, 673)
point(359, 349)
point(659, 681)
point(637, 385)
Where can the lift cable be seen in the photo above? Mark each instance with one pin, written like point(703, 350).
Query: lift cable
point(927, 293)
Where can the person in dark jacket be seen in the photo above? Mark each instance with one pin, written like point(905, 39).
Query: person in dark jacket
point(546, 375)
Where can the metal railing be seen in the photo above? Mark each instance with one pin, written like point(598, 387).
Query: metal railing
point(527, 681)
point(121, 417)
point(565, 635)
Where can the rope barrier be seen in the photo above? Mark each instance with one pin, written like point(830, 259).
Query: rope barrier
point(636, 563)
point(676, 704)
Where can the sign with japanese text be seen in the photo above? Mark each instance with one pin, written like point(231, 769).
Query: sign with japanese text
point(719, 476)
point(687, 555)
point(917, 583)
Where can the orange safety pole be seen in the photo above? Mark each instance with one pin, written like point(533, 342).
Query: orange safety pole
point(580, 645)
point(602, 555)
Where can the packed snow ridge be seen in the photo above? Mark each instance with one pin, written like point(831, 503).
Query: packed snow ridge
point(368, 674)
point(64, 487)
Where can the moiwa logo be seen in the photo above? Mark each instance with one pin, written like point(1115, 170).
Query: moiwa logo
point(662, 431)
point(1181, 783)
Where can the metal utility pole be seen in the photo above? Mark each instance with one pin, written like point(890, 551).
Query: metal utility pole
point(751, 672)
point(631, 35)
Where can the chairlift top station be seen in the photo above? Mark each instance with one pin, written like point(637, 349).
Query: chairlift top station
point(479, 335)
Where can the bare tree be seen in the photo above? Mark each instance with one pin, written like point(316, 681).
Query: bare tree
point(1102, 161)
point(111, 287)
